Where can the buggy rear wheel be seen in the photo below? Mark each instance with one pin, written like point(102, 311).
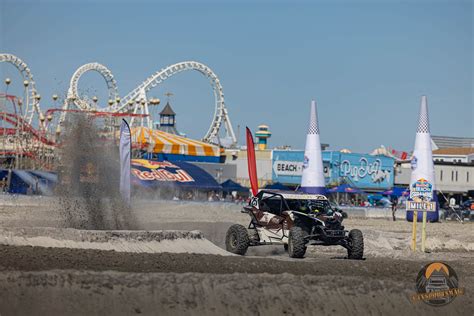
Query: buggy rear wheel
point(297, 242)
point(355, 249)
point(237, 239)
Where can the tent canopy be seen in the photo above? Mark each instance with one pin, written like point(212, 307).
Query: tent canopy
point(157, 141)
point(183, 175)
point(345, 188)
point(230, 186)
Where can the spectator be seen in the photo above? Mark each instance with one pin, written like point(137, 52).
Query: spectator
point(394, 207)
point(452, 201)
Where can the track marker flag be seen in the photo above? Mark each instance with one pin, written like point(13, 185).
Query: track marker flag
point(251, 162)
point(125, 149)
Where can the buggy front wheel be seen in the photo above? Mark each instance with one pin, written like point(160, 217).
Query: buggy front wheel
point(355, 249)
point(297, 242)
point(237, 240)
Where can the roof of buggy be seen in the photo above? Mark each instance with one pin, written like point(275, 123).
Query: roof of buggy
point(296, 195)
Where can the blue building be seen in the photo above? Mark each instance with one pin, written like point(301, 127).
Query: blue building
point(364, 171)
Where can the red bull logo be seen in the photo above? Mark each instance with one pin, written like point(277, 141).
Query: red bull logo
point(158, 171)
point(152, 164)
point(421, 190)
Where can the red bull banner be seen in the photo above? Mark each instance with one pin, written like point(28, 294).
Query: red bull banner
point(158, 173)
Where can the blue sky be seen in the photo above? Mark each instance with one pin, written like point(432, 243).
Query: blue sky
point(365, 62)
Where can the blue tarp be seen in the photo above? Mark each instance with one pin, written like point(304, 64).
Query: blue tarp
point(183, 175)
point(34, 182)
point(46, 175)
point(30, 181)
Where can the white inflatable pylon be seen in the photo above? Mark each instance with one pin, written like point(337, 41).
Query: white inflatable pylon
point(312, 180)
point(423, 173)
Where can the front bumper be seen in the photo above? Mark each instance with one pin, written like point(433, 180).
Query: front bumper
point(335, 233)
point(328, 237)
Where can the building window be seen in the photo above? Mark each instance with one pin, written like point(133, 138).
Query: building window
point(441, 175)
point(452, 176)
point(456, 176)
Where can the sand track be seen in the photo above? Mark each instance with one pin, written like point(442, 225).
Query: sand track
point(116, 293)
point(82, 280)
point(27, 258)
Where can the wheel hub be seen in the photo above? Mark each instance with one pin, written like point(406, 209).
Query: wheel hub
point(233, 241)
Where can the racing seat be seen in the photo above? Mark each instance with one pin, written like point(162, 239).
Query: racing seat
point(264, 207)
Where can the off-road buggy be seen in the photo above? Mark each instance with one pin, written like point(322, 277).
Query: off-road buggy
point(294, 220)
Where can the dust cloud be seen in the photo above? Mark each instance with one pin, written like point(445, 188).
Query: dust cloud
point(89, 175)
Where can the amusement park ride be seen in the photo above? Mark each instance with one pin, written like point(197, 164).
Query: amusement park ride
point(29, 136)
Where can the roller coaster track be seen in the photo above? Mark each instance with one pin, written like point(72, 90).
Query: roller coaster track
point(95, 113)
point(73, 94)
point(31, 105)
point(23, 126)
point(136, 96)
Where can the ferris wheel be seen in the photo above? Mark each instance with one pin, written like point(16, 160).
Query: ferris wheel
point(136, 101)
point(29, 106)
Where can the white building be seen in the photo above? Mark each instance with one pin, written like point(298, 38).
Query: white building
point(454, 154)
point(438, 142)
point(450, 177)
point(264, 167)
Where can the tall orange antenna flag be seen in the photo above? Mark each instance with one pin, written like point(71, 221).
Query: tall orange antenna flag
point(251, 162)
